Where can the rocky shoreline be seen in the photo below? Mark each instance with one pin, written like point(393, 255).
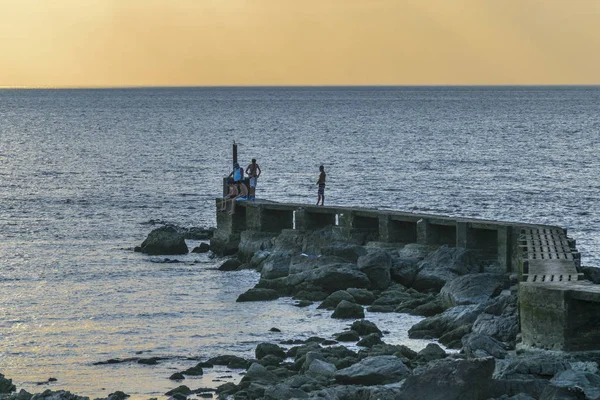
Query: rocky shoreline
point(467, 308)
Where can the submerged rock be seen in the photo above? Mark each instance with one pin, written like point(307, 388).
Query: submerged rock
point(348, 310)
point(258, 295)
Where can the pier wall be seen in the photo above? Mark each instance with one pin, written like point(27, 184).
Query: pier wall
point(557, 310)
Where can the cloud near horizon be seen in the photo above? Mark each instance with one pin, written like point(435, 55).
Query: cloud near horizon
point(68, 43)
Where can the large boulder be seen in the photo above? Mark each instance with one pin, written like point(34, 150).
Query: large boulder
point(337, 276)
point(320, 368)
point(335, 298)
point(364, 327)
point(256, 294)
point(542, 365)
point(230, 265)
point(281, 391)
point(275, 266)
point(451, 380)
point(264, 349)
point(362, 296)
point(6, 385)
point(166, 240)
point(481, 346)
point(444, 265)
point(589, 383)
point(374, 371)
point(345, 309)
point(439, 325)
point(376, 265)
point(473, 289)
point(504, 328)
point(346, 251)
point(252, 242)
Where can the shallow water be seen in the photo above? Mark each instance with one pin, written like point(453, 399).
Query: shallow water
point(85, 171)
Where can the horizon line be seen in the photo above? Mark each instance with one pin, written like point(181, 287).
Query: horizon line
point(292, 86)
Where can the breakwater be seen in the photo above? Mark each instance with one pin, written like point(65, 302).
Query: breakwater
point(556, 307)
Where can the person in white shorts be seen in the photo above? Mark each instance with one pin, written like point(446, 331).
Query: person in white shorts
point(253, 172)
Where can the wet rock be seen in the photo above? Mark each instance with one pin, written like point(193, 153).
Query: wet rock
point(196, 233)
point(431, 352)
point(233, 362)
point(442, 266)
point(436, 326)
point(473, 289)
point(348, 336)
point(270, 360)
point(370, 340)
point(6, 385)
point(177, 376)
point(348, 310)
point(589, 383)
point(303, 303)
point(374, 371)
point(258, 259)
point(452, 339)
point(259, 374)
point(502, 328)
point(376, 265)
point(543, 365)
point(282, 391)
point(201, 248)
point(264, 349)
point(320, 368)
point(57, 395)
point(403, 270)
point(258, 295)
point(362, 296)
point(447, 379)
point(275, 266)
point(274, 330)
point(150, 361)
point(22, 395)
point(481, 346)
point(346, 251)
point(230, 265)
point(118, 395)
point(331, 302)
point(183, 389)
point(364, 327)
point(338, 276)
point(402, 352)
point(591, 273)
point(166, 240)
point(194, 371)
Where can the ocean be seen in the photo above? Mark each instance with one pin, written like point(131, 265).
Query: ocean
point(86, 174)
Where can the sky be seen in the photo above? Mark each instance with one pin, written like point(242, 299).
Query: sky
point(115, 43)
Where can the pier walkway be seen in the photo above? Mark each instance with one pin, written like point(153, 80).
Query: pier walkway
point(558, 310)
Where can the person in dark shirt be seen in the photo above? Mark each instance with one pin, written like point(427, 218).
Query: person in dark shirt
point(321, 184)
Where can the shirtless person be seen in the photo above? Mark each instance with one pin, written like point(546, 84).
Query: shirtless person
point(321, 184)
point(232, 193)
point(242, 195)
point(253, 172)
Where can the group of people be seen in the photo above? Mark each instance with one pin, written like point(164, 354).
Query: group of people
point(237, 189)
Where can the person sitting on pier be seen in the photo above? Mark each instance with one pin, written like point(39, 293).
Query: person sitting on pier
point(232, 193)
point(242, 195)
point(253, 172)
point(321, 184)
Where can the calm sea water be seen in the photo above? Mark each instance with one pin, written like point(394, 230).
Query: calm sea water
point(83, 172)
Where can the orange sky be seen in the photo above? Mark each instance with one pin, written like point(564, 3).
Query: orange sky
point(65, 43)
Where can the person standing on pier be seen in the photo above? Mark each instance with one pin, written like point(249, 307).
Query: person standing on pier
point(321, 184)
point(237, 174)
point(253, 172)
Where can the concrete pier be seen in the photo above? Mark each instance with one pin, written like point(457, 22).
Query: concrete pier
point(557, 310)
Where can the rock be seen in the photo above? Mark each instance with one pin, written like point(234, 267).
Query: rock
point(463, 379)
point(428, 309)
point(275, 330)
point(6, 385)
point(589, 383)
point(445, 322)
point(22, 395)
point(542, 365)
point(370, 340)
point(591, 274)
point(58, 395)
point(177, 376)
point(150, 360)
point(258, 295)
point(282, 391)
point(275, 266)
point(444, 265)
point(331, 302)
point(194, 371)
point(258, 259)
point(196, 233)
point(118, 395)
point(259, 374)
point(348, 336)
point(264, 349)
point(233, 362)
point(399, 351)
point(346, 251)
point(303, 303)
point(320, 368)
point(374, 371)
point(166, 240)
point(502, 328)
point(224, 244)
point(338, 276)
point(376, 265)
point(362, 296)
point(390, 299)
point(230, 265)
point(270, 360)
point(364, 327)
point(431, 352)
point(179, 390)
point(253, 242)
point(481, 346)
point(403, 270)
point(348, 310)
point(202, 248)
point(473, 289)
point(452, 339)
